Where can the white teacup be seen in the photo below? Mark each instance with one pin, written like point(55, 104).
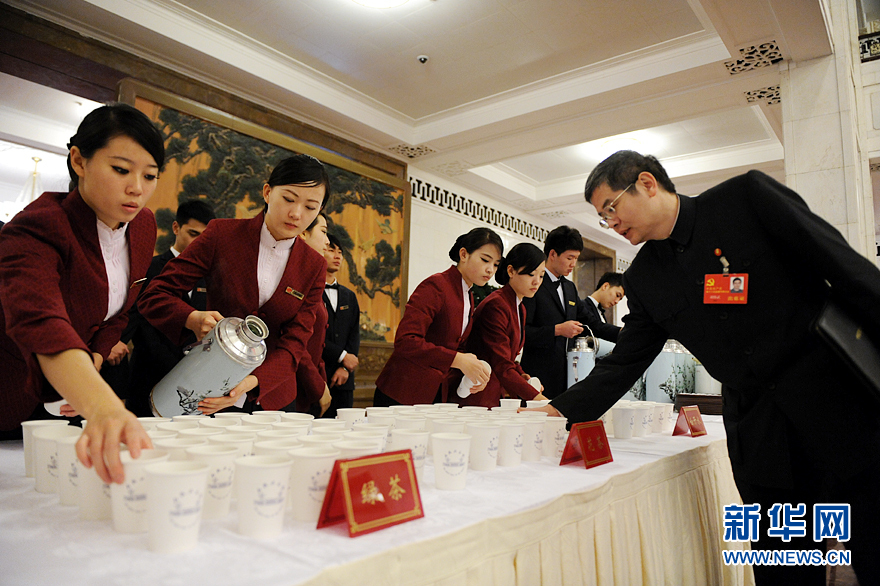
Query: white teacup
point(46, 454)
point(175, 500)
point(451, 451)
point(415, 440)
point(68, 471)
point(129, 499)
point(27, 429)
point(483, 453)
point(309, 477)
point(533, 439)
point(261, 486)
point(555, 437)
point(510, 443)
point(623, 420)
point(221, 472)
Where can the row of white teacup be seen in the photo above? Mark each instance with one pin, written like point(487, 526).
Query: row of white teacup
point(628, 419)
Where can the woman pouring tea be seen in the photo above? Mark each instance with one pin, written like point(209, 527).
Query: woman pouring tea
point(254, 266)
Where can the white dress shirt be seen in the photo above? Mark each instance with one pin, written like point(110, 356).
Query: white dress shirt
point(271, 262)
point(553, 279)
point(599, 309)
point(114, 248)
point(467, 305)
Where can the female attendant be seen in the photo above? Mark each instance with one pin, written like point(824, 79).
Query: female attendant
point(497, 333)
point(311, 378)
point(259, 267)
point(71, 265)
point(434, 325)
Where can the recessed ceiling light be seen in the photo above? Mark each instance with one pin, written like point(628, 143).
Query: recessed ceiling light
point(380, 3)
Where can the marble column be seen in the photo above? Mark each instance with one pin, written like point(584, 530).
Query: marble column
point(824, 133)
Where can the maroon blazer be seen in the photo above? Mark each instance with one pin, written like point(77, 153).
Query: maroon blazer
point(311, 376)
point(226, 255)
point(428, 337)
point(497, 337)
point(54, 293)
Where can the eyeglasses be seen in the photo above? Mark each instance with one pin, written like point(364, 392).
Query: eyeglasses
point(608, 212)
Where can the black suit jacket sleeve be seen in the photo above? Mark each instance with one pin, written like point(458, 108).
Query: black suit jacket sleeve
point(135, 319)
point(640, 341)
point(594, 321)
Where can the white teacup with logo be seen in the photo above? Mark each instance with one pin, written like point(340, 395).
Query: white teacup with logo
point(643, 418)
point(377, 436)
point(510, 443)
point(669, 417)
point(27, 429)
point(221, 472)
point(623, 420)
point(354, 448)
point(410, 422)
point(484, 445)
point(243, 441)
point(276, 446)
point(451, 451)
point(415, 440)
point(175, 500)
point(177, 446)
point(555, 436)
point(658, 419)
point(150, 423)
point(351, 415)
point(261, 486)
point(533, 439)
point(92, 495)
point(309, 477)
point(260, 419)
point(510, 404)
point(68, 471)
point(129, 499)
point(46, 454)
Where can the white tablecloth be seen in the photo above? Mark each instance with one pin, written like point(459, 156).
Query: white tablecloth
point(653, 516)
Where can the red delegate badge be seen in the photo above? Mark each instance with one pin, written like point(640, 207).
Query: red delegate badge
point(689, 422)
point(587, 442)
point(371, 493)
point(728, 289)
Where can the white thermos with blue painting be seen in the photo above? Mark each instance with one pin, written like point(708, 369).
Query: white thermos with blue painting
point(660, 385)
point(581, 356)
point(212, 368)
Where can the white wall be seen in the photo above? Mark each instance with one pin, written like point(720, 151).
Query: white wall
point(433, 229)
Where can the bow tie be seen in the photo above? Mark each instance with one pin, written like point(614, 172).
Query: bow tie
point(333, 286)
point(558, 282)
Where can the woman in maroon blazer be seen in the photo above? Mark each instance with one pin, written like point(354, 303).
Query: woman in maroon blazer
point(71, 265)
point(434, 325)
point(497, 333)
point(311, 378)
point(254, 266)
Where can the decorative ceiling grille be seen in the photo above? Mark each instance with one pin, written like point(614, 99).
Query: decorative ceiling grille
point(412, 152)
point(770, 95)
point(754, 57)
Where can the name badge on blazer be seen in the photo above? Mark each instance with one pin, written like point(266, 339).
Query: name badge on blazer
point(343, 307)
point(294, 292)
point(571, 302)
point(201, 290)
point(138, 282)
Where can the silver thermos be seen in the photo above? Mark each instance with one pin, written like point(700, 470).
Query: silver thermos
point(223, 358)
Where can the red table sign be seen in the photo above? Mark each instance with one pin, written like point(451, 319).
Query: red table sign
point(689, 422)
point(587, 442)
point(372, 492)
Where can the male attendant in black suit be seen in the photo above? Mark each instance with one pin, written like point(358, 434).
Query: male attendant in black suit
point(555, 313)
point(802, 428)
point(343, 340)
point(154, 355)
point(609, 291)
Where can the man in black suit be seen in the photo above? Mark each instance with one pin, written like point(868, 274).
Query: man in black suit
point(801, 426)
point(154, 355)
point(609, 291)
point(555, 313)
point(343, 340)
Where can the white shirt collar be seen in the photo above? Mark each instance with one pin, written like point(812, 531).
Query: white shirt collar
point(107, 235)
point(174, 252)
point(267, 240)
